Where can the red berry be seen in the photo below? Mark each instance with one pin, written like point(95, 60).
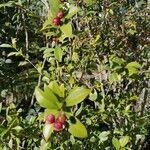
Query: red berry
point(62, 1)
point(58, 126)
point(50, 118)
point(56, 21)
point(61, 118)
point(60, 14)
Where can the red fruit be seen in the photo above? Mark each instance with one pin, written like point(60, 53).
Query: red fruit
point(62, 1)
point(58, 126)
point(61, 118)
point(56, 21)
point(50, 118)
point(60, 14)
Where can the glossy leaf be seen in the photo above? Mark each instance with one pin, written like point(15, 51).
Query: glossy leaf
point(104, 136)
point(47, 131)
point(77, 95)
point(78, 129)
point(124, 140)
point(54, 6)
point(47, 99)
point(116, 143)
point(58, 52)
point(56, 88)
point(67, 29)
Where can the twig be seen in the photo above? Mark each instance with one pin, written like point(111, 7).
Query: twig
point(26, 34)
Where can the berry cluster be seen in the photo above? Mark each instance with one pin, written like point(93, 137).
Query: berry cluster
point(59, 16)
point(58, 123)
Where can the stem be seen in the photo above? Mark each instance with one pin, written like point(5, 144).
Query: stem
point(26, 34)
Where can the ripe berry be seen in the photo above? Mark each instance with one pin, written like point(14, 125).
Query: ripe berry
point(60, 14)
point(61, 118)
point(56, 21)
point(58, 126)
point(50, 118)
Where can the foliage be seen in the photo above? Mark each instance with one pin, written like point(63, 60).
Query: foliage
point(92, 63)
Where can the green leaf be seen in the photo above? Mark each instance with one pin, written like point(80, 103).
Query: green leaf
point(117, 60)
point(102, 106)
point(56, 89)
point(124, 140)
point(104, 136)
point(72, 11)
point(6, 45)
point(77, 95)
point(54, 6)
point(46, 24)
point(58, 52)
point(44, 145)
point(78, 129)
point(22, 63)
point(47, 131)
point(93, 96)
point(67, 29)
point(114, 77)
point(18, 128)
point(133, 67)
point(62, 89)
point(133, 64)
point(89, 2)
point(9, 4)
point(116, 143)
point(47, 99)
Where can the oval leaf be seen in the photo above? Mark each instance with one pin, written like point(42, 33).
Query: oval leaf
point(78, 129)
point(6, 45)
point(67, 29)
point(124, 140)
point(47, 131)
point(116, 143)
point(76, 96)
point(58, 52)
point(72, 11)
point(47, 99)
point(54, 6)
point(56, 88)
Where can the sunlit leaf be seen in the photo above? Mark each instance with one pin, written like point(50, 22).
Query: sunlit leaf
point(54, 6)
point(116, 143)
point(47, 131)
point(6, 45)
point(78, 129)
point(124, 140)
point(67, 29)
point(58, 52)
point(77, 95)
point(72, 11)
point(47, 99)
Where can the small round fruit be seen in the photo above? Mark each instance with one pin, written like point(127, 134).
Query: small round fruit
point(58, 126)
point(62, 1)
point(60, 14)
point(56, 21)
point(50, 118)
point(62, 118)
